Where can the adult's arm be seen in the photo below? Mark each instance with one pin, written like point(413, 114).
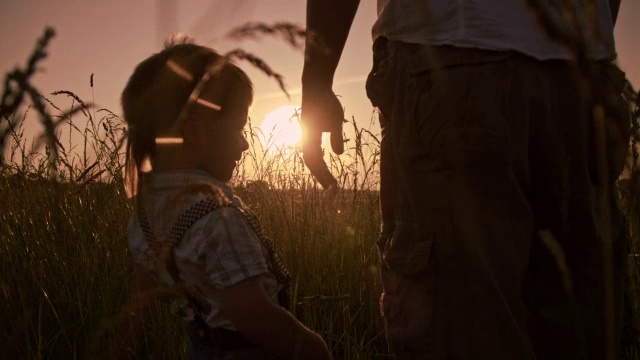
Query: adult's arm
point(328, 26)
point(614, 5)
point(257, 318)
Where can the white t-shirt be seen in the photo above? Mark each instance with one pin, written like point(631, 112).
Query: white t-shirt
point(500, 25)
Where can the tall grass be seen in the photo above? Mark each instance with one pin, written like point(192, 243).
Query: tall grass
point(66, 264)
point(629, 186)
point(66, 267)
point(63, 238)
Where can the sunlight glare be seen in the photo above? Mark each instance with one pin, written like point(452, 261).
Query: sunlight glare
point(281, 129)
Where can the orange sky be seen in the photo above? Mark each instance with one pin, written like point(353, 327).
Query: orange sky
point(108, 38)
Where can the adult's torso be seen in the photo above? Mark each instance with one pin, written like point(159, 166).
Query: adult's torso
point(502, 25)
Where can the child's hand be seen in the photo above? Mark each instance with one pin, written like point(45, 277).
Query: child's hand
point(264, 323)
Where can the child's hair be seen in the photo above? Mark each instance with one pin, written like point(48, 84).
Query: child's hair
point(157, 95)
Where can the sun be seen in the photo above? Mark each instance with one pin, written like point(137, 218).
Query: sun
point(281, 129)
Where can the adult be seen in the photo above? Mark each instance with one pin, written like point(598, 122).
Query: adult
point(491, 247)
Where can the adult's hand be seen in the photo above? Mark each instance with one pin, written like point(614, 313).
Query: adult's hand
point(321, 112)
point(328, 25)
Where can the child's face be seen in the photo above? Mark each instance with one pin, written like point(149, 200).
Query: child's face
point(218, 139)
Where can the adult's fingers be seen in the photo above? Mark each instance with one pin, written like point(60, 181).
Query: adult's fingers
point(337, 141)
point(321, 112)
point(312, 156)
point(335, 112)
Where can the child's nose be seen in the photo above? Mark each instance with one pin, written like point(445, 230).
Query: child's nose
point(244, 144)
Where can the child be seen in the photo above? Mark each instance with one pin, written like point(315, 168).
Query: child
point(186, 108)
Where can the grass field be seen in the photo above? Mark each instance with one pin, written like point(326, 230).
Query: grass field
point(66, 267)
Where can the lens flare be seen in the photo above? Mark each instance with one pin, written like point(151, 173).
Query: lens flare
point(281, 128)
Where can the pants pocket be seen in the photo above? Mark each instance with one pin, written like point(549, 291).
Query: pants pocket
point(377, 85)
point(617, 120)
point(408, 280)
point(408, 250)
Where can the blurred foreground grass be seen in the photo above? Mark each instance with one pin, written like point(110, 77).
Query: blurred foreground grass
point(66, 267)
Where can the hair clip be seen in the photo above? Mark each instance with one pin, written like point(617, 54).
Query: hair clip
point(194, 97)
point(169, 141)
point(208, 104)
point(179, 70)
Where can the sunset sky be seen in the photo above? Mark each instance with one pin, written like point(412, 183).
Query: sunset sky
point(108, 38)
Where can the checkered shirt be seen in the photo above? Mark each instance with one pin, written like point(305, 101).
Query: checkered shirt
point(216, 252)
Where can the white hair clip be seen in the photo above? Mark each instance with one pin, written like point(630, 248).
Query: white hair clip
point(179, 70)
point(194, 97)
point(169, 141)
point(208, 104)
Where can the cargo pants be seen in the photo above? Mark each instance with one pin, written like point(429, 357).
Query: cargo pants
point(490, 245)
